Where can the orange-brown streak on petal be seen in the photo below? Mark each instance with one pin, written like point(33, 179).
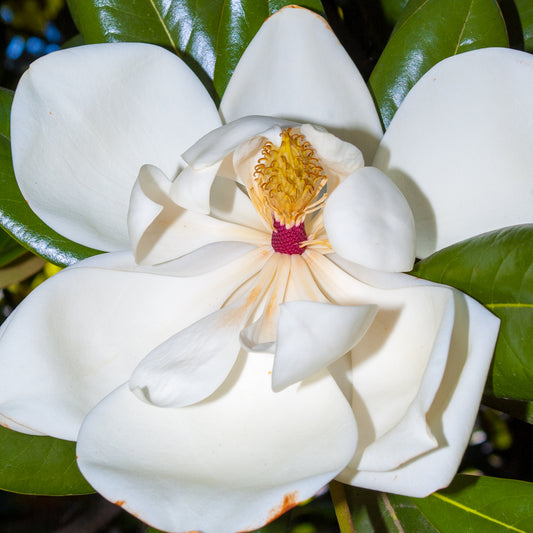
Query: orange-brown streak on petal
point(120, 503)
point(290, 500)
point(333, 281)
point(302, 283)
point(252, 287)
point(267, 324)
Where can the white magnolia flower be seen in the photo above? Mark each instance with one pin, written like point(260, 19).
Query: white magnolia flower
point(250, 335)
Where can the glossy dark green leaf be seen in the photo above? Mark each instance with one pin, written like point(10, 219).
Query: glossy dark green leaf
point(392, 9)
point(525, 11)
point(485, 504)
point(469, 504)
point(73, 8)
point(496, 269)
point(10, 249)
point(516, 408)
point(210, 35)
point(39, 465)
point(15, 215)
point(427, 32)
point(377, 512)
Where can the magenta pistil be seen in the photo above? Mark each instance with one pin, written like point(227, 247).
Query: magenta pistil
point(287, 240)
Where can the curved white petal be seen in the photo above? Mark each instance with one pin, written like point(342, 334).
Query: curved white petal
point(459, 147)
point(231, 463)
point(192, 188)
point(84, 121)
point(160, 230)
point(217, 144)
point(192, 364)
point(369, 222)
point(69, 343)
point(313, 335)
point(338, 158)
point(296, 68)
point(453, 412)
point(230, 203)
point(397, 366)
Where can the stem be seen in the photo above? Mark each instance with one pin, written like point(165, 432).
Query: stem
point(342, 509)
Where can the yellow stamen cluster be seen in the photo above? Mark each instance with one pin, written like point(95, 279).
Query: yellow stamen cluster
point(287, 180)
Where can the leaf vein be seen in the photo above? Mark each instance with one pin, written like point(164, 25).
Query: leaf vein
point(162, 20)
point(475, 512)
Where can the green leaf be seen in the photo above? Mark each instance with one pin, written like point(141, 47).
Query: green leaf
point(470, 503)
point(392, 9)
point(73, 8)
point(485, 504)
point(10, 249)
point(516, 408)
point(378, 512)
point(427, 32)
point(525, 12)
point(39, 465)
point(210, 35)
point(15, 215)
point(496, 268)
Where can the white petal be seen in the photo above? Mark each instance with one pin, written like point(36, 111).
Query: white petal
point(296, 68)
point(230, 463)
point(398, 364)
point(452, 415)
point(85, 120)
point(339, 159)
point(220, 142)
point(369, 222)
point(312, 335)
point(230, 203)
point(192, 364)
point(149, 193)
point(192, 188)
point(261, 334)
point(81, 334)
point(459, 147)
point(161, 230)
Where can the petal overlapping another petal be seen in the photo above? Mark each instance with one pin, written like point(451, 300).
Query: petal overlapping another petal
point(447, 399)
point(452, 413)
point(69, 343)
point(369, 222)
point(230, 463)
point(85, 119)
point(461, 152)
point(400, 367)
point(161, 230)
point(296, 68)
point(313, 335)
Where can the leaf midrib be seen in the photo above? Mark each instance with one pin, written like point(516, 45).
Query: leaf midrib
point(475, 512)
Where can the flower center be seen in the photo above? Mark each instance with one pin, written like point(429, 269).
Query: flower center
point(287, 185)
point(288, 180)
point(287, 240)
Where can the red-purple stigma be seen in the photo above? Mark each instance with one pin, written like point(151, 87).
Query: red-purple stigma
point(287, 241)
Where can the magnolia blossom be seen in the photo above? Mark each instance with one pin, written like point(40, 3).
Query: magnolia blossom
point(250, 335)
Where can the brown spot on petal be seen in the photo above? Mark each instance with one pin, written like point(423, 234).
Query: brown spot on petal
point(120, 503)
point(290, 500)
